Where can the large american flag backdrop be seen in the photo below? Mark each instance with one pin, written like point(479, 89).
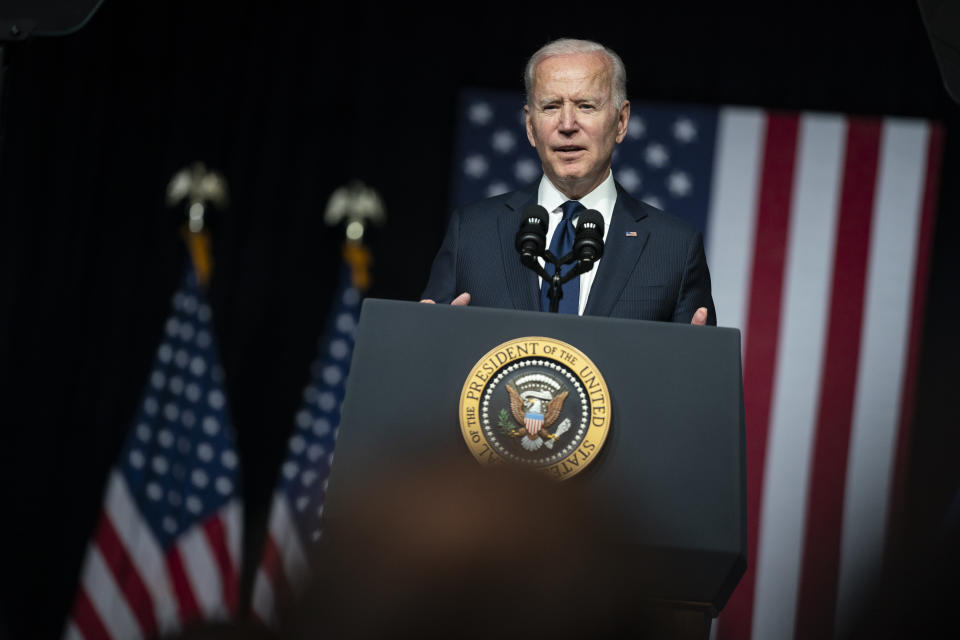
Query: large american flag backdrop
point(818, 232)
point(294, 523)
point(166, 549)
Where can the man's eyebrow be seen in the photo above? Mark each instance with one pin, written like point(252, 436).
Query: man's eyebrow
point(598, 100)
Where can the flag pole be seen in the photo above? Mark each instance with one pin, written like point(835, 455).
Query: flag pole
point(197, 188)
point(359, 205)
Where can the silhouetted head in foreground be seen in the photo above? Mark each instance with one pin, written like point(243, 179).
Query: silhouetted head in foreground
point(457, 551)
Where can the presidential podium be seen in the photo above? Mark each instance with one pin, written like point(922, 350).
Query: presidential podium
point(671, 465)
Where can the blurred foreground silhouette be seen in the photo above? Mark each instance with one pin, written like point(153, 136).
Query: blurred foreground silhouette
point(456, 550)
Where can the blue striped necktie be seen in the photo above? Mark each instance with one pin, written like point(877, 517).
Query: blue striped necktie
point(561, 245)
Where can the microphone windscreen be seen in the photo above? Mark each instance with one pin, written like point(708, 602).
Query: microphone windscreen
point(588, 243)
point(532, 235)
point(590, 221)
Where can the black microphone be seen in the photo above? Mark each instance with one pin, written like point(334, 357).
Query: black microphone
point(532, 235)
point(588, 243)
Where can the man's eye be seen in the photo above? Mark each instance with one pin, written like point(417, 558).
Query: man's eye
point(587, 107)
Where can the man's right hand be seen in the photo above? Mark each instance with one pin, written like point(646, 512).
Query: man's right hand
point(461, 300)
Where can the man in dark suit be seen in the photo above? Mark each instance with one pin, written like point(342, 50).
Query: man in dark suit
point(653, 266)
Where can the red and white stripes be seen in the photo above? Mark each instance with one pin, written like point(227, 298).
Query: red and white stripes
point(130, 588)
point(818, 253)
point(284, 570)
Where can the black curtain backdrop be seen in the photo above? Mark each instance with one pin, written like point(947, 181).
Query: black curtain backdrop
point(290, 102)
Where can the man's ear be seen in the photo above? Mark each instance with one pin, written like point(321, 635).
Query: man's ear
point(526, 117)
point(623, 119)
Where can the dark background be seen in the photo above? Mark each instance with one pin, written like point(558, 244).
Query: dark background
point(290, 102)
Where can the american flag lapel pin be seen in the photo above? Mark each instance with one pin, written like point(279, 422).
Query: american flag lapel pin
point(631, 234)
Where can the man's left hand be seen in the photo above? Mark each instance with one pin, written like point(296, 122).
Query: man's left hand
point(461, 300)
point(700, 317)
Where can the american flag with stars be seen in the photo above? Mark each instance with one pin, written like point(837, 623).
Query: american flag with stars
point(818, 230)
point(166, 549)
point(296, 512)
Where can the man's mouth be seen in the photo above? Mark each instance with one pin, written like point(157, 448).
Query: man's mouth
point(568, 150)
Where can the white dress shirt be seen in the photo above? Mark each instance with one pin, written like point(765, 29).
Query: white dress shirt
point(601, 199)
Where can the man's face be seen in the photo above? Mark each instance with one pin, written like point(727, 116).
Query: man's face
point(572, 121)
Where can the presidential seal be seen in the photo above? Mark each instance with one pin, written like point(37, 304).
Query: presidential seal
point(537, 402)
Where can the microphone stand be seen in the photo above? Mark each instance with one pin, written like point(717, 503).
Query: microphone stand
point(555, 292)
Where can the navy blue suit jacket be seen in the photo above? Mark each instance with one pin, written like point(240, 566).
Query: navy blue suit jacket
point(653, 265)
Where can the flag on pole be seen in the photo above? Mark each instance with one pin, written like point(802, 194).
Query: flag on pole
point(294, 523)
point(818, 232)
point(166, 549)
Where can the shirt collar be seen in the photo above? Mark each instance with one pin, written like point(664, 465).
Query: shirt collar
point(603, 198)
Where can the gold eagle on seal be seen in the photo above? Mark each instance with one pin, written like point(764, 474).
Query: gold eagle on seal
point(536, 413)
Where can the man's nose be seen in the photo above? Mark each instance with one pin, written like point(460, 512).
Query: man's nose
point(568, 118)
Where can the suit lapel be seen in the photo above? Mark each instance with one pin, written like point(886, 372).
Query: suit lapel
point(521, 281)
point(625, 242)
